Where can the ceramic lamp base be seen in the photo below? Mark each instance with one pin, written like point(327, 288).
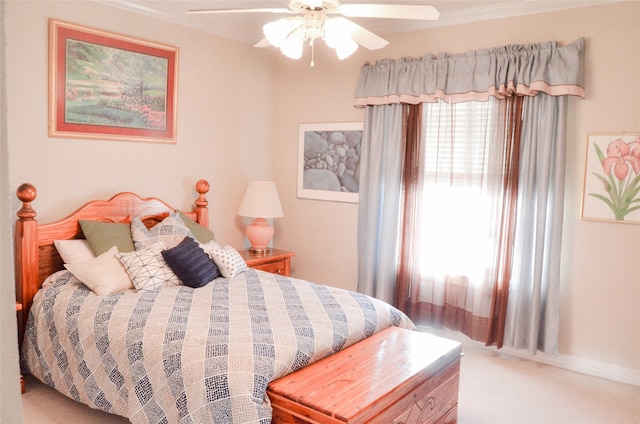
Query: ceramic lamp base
point(259, 233)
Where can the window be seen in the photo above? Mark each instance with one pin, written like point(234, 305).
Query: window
point(457, 218)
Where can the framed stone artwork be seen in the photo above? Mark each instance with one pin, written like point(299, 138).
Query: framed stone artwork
point(329, 161)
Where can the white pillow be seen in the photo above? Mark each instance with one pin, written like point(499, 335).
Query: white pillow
point(148, 269)
point(169, 231)
point(209, 247)
point(228, 261)
point(103, 274)
point(72, 251)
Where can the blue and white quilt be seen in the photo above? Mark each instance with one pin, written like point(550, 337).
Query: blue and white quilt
point(183, 355)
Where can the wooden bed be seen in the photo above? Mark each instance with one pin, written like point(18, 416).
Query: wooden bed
point(36, 256)
point(431, 383)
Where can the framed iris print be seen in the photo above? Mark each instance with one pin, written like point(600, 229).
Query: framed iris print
point(612, 178)
point(109, 86)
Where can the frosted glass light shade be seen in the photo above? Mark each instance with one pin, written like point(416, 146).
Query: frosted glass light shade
point(337, 35)
point(292, 47)
point(346, 49)
point(277, 31)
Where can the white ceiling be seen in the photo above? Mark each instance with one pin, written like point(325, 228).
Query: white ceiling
point(247, 27)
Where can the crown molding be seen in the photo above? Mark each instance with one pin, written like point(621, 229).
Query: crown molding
point(478, 12)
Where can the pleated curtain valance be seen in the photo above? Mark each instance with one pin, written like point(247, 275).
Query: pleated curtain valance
point(476, 75)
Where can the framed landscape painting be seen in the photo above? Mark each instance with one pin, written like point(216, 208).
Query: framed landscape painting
point(329, 161)
point(612, 178)
point(109, 86)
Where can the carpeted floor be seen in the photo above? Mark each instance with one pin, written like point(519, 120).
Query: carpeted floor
point(494, 389)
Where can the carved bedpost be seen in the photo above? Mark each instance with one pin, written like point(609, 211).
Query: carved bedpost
point(201, 203)
point(26, 254)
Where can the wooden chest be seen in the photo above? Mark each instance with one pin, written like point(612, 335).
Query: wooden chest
point(396, 376)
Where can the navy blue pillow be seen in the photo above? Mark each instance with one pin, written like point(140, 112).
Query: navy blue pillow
point(191, 264)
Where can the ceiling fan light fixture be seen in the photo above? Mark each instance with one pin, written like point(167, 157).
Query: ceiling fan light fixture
point(313, 24)
point(346, 48)
point(337, 35)
point(292, 46)
point(276, 32)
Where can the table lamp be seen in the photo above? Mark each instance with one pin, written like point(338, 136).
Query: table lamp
point(260, 201)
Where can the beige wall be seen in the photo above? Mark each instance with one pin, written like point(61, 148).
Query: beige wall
point(225, 136)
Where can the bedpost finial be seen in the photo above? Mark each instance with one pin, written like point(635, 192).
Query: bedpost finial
point(27, 194)
point(202, 187)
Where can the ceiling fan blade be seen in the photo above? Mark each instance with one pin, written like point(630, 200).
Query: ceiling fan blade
point(362, 36)
point(258, 10)
point(263, 43)
point(390, 11)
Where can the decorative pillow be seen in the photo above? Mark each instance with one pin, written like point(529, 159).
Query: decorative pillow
point(209, 247)
point(190, 263)
point(102, 236)
point(72, 251)
point(169, 231)
point(147, 268)
point(103, 274)
point(200, 232)
point(229, 261)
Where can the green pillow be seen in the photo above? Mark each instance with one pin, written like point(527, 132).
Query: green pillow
point(102, 236)
point(200, 232)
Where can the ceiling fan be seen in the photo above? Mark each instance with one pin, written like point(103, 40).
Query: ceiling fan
point(313, 19)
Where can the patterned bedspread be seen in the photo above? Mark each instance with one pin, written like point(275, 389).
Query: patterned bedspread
point(183, 355)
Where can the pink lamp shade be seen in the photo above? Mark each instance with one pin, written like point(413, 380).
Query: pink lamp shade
point(260, 201)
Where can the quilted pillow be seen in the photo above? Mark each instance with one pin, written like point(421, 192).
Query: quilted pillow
point(147, 268)
point(103, 275)
point(200, 232)
point(190, 263)
point(104, 235)
point(169, 231)
point(228, 260)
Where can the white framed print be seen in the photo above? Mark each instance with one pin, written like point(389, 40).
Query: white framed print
point(329, 161)
point(612, 178)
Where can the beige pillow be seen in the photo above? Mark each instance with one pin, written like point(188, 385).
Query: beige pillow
point(103, 274)
point(72, 251)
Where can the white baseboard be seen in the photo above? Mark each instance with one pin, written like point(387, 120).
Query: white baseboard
point(568, 362)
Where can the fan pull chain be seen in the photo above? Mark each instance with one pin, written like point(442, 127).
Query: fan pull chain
point(312, 52)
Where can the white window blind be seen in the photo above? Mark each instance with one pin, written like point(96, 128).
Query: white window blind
point(457, 207)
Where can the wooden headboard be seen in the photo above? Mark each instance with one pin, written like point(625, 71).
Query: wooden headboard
point(36, 256)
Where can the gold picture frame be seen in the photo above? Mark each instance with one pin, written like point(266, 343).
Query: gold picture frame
point(109, 86)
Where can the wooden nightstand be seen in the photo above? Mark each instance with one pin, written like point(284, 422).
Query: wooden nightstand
point(275, 261)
